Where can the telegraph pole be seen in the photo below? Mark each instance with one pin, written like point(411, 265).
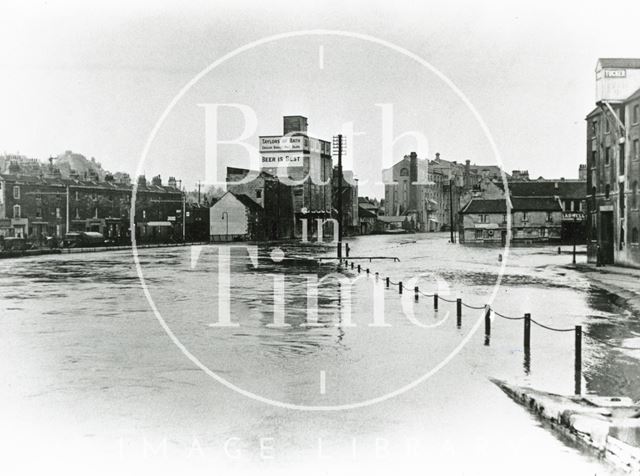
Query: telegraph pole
point(337, 141)
point(67, 211)
point(453, 238)
point(184, 216)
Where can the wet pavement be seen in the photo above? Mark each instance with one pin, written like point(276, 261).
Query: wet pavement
point(89, 370)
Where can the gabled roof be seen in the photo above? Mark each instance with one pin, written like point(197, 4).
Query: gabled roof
point(366, 213)
point(635, 95)
point(549, 188)
point(535, 204)
point(519, 204)
point(247, 202)
point(36, 180)
point(619, 62)
point(596, 112)
point(486, 205)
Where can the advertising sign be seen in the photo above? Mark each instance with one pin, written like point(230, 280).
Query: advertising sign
point(282, 143)
point(282, 159)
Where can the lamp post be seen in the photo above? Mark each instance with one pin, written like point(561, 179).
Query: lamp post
point(226, 222)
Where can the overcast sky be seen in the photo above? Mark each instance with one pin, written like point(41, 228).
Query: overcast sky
point(95, 79)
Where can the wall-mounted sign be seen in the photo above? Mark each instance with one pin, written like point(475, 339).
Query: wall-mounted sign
point(282, 159)
point(577, 216)
point(282, 143)
point(294, 143)
point(615, 73)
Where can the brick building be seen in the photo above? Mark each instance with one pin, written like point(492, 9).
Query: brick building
point(268, 192)
point(304, 163)
point(351, 221)
point(35, 206)
point(533, 220)
point(613, 164)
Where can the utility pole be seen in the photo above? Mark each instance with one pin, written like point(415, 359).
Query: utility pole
point(67, 213)
point(453, 238)
point(337, 141)
point(573, 232)
point(184, 216)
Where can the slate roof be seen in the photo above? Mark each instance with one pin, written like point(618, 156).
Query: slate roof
point(619, 62)
point(366, 213)
point(101, 185)
point(547, 188)
point(537, 204)
point(247, 202)
point(519, 204)
point(486, 205)
point(635, 95)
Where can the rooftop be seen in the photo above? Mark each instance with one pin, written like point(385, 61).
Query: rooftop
point(619, 62)
point(523, 204)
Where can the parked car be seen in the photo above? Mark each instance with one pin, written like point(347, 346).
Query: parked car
point(83, 239)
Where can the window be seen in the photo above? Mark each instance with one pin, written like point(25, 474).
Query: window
point(504, 218)
point(16, 192)
point(524, 216)
point(77, 196)
point(39, 212)
point(634, 234)
point(478, 234)
point(607, 155)
point(483, 218)
point(594, 128)
point(404, 172)
point(58, 213)
point(258, 193)
point(636, 149)
point(77, 214)
point(17, 212)
point(607, 191)
point(550, 217)
point(636, 114)
point(607, 127)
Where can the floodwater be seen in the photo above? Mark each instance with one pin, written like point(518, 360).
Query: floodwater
point(93, 384)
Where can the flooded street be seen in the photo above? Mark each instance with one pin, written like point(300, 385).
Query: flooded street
point(88, 369)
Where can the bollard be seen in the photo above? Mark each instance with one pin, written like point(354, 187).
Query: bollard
point(367, 271)
point(435, 302)
point(559, 252)
point(487, 324)
point(400, 287)
point(578, 361)
point(346, 245)
point(527, 331)
point(387, 281)
point(459, 312)
point(352, 265)
point(415, 293)
point(358, 268)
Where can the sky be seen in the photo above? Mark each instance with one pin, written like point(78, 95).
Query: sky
point(96, 78)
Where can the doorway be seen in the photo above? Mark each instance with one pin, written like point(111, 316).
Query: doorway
point(606, 237)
